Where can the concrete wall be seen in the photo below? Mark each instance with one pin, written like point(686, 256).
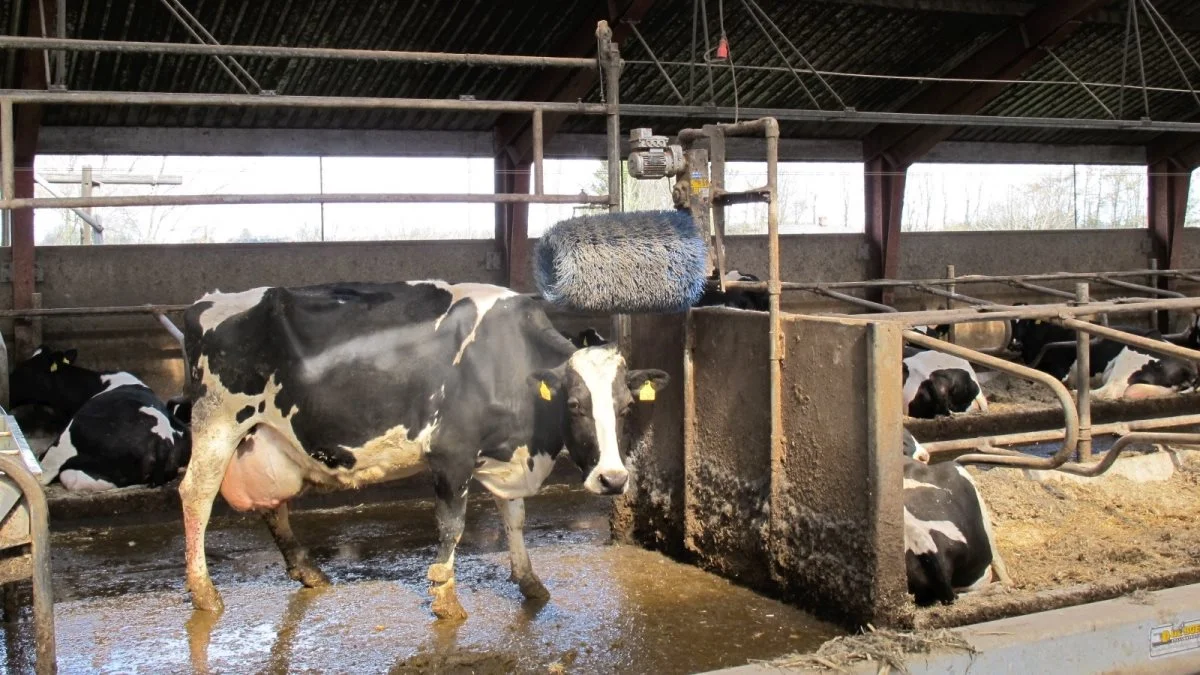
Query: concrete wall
point(819, 522)
point(74, 276)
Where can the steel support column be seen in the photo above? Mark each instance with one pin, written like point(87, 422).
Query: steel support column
point(1167, 192)
point(512, 224)
point(884, 204)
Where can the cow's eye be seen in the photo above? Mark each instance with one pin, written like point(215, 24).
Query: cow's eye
point(573, 405)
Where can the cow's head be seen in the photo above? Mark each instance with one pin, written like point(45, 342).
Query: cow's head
point(595, 393)
point(1029, 336)
point(50, 378)
point(946, 391)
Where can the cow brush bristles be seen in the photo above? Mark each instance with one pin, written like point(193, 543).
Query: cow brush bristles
point(629, 263)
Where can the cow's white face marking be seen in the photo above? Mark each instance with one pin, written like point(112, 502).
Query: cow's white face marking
point(485, 296)
point(78, 481)
point(918, 534)
point(162, 427)
point(226, 305)
point(113, 380)
point(598, 368)
point(515, 479)
point(57, 455)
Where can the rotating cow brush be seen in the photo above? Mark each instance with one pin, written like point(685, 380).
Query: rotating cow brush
point(628, 263)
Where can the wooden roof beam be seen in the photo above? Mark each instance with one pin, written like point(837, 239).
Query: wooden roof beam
point(1009, 55)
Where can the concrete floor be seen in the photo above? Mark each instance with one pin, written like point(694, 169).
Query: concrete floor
point(121, 607)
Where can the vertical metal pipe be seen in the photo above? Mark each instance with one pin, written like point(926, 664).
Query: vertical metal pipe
point(7, 160)
point(60, 20)
point(950, 274)
point(716, 241)
point(39, 536)
point(610, 59)
point(85, 190)
point(774, 289)
point(1083, 381)
point(539, 185)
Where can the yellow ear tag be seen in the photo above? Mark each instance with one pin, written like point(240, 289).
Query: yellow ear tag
point(53, 367)
point(66, 361)
point(1037, 322)
point(544, 391)
point(646, 393)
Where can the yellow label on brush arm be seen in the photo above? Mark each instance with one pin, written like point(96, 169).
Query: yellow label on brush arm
point(646, 393)
point(545, 392)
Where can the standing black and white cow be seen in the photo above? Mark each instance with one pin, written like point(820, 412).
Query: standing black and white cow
point(346, 384)
point(948, 539)
point(937, 384)
point(119, 433)
point(1128, 373)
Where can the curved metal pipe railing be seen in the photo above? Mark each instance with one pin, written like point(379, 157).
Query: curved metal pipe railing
point(1096, 468)
point(999, 456)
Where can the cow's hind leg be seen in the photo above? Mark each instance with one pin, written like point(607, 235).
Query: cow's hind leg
point(512, 512)
point(295, 557)
point(450, 486)
point(210, 457)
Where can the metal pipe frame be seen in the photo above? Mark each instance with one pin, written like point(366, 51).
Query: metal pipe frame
point(1159, 347)
point(299, 198)
point(1184, 274)
point(939, 448)
point(1005, 457)
point(124, 47)
point(39, 536)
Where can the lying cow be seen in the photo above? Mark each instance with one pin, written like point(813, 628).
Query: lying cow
point(347, 384)
point(1128, 373)
point(119, 434)
point(948, 540)
point(733, 297)
point(937, 384)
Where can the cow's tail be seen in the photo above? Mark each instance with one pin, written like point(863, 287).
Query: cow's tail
point(940, 588)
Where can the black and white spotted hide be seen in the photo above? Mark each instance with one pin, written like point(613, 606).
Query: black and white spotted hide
point(948, 540)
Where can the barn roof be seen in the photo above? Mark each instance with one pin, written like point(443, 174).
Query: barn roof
point(857, 42)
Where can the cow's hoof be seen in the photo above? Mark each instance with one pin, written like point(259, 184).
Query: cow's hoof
point(206, 599)
point(440, 573)
point(532, 588)
point(445, 604)
point(310, 576)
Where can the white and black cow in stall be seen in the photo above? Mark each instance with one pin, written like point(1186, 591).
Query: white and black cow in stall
point(119, 433)
point(937, 384)
point(948, 540)
point(1128, 373)
point(346, 384)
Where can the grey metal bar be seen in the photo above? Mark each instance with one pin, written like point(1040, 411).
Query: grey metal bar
point(937, 448)
point(73, 45)
point(663, 71)
point(1154, 346)
point(305, 198)
point(539, 173)
point(8, 181)
point(21, 96)
point(951, 295)
point(969, 279)
point(854, 300)
point(610, 60)
point(219, 59)
point(1036, 288)
point(770, 129)
point(1110, 457)
point(1083, 380)
point(1029, 312)
point(1070, 415)
point(1139, 287)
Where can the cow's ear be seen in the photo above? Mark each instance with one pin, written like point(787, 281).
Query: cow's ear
point(547, 384)
point(69, 356)
point(646, 383)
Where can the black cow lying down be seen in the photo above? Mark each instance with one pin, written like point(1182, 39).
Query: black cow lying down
point(347, 384)
point(948, 540)
point(119, 433)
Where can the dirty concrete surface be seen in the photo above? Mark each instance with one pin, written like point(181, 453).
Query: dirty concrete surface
point(121, 606)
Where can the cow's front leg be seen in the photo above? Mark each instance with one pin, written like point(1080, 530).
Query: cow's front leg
point(512, 512)
point(295, 557)
point(451, 511)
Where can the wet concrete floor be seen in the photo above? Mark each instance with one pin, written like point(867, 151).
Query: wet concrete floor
point(121, 608)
